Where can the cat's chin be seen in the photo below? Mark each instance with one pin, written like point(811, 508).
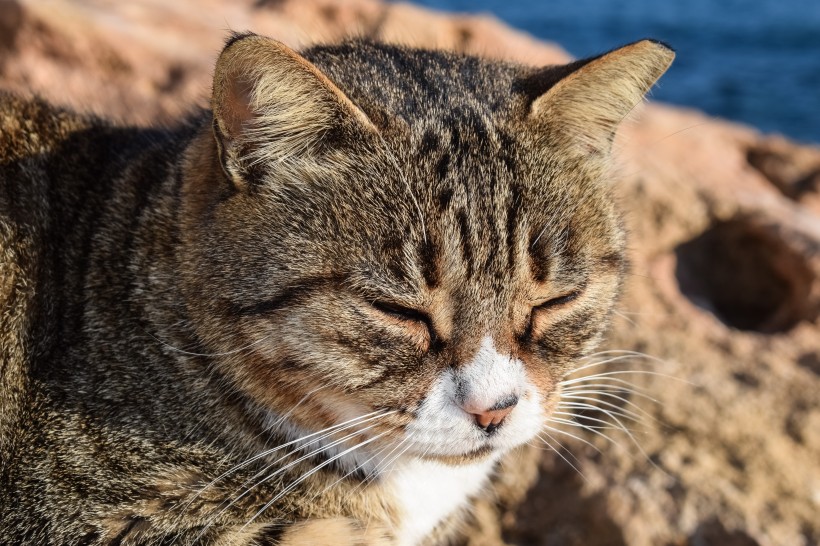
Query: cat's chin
point(471, 457)
point(472, 450)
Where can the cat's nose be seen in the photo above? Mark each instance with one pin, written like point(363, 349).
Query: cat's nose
point(490, 418)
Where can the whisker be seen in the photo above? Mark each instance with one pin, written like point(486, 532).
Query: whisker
point(607, 352)
point(580, 419)
point(376, 471)
point(574, 437)
point(386, 461)
point(208, 355)
point(626, 431)
point(562, 446)
point(292, 409)
point(324, 432)
point(385, 469)
point(561, 455)
point(617, 358)
point(576, 421)
point(576, 395)
point(577, 424)
point(617, 410)
point(614, 383)
point(307, 456)
point(626, 318)
point(644, 314)
point(629, 372)
point(307, 475)
point(605, 389)
point(282, 469)
point(592, 430)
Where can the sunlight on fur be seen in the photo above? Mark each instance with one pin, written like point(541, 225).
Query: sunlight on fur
point(328, 310)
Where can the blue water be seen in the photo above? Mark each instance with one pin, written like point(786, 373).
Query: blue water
point(754, 61)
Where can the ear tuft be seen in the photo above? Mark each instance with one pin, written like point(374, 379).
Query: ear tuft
point(272, 105)
point(591, 97)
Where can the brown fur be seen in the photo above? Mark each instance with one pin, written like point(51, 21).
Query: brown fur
point(173, 301)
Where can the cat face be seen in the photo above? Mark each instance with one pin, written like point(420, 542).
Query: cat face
point(437, 255)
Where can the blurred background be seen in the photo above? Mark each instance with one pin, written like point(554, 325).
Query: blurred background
point(754, 61)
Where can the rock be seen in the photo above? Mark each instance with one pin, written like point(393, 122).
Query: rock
point(794, 170)
point(151, 60)
point(724, 292)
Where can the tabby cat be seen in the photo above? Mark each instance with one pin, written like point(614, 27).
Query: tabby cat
point(321, 312)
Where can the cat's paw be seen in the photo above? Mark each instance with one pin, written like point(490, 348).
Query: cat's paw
point(333, 532)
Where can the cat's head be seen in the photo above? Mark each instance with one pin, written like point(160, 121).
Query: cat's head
point(426, 236)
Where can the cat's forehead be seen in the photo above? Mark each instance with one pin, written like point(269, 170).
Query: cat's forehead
point(462, 183)
point(459, 120)
point(416, 84)
point(472, 213)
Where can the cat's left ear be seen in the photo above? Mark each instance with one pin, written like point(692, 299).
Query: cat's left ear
point(270, 104)
point(580, 105)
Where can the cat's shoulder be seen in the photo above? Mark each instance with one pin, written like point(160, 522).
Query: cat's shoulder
point(30, 127)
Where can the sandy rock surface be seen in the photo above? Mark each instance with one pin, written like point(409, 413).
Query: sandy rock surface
point(724, 295)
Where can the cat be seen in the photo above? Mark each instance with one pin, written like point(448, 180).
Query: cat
point(321, 312)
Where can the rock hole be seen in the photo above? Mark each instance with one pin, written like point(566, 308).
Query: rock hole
point(795, 171)
point(713, 533)
point(273, 4)
point(810, 361)
point(746, 276)
point(746, 379)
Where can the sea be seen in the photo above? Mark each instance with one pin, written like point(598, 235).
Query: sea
point(752, 61)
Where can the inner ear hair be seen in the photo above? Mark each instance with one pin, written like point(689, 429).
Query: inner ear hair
point(272, 105)
point(583, 103)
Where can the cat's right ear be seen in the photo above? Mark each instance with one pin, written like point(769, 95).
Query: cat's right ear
point(272, 105)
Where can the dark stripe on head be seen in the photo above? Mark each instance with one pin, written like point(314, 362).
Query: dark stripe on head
point(429, 143)
point(428, 261)
point(466, 244)
point(467, 129)
point(539, 256)
point(444, 199)
point(507, 145)
point(566, 338)
point(443, 166)
point(476, 124)
point(512, 223)
point(393, 256)
point(455, 133)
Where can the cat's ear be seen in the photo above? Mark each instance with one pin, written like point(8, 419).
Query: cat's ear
point(272, 105)
point(582, 104)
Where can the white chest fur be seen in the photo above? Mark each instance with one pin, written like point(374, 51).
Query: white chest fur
point(428, 492)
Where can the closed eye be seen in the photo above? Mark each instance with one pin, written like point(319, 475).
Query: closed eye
point(559, 300)
point(400, 312)
point(407, 315)
point(550, 304)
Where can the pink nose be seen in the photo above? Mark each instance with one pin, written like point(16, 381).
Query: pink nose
point(489, 419)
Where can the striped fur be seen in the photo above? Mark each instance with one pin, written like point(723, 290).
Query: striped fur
point(261, 326)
